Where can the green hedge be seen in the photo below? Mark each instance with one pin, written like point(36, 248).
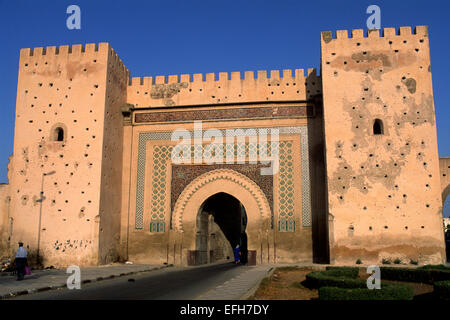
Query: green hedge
point(387, 292)
point(335, 277)
point(435, 267)
point(427, 274)
point(442, 290)
point(349, 272)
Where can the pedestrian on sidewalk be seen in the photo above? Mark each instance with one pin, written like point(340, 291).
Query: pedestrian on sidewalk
point(21, 261)
point(237, 255)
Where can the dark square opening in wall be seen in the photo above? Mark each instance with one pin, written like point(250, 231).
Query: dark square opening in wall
point(378, 127)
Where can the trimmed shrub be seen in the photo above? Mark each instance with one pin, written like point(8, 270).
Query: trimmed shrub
point(386, 261)
point(425, 275)
point(387, 292)
point(435, 267)
point(348, 272)
point(358, 261)
point(442, 290)
point(413, 262)
point(344, 277)
point(397, 261)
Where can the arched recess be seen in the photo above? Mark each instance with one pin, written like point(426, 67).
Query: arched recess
point(235, 184)
point(225, 176)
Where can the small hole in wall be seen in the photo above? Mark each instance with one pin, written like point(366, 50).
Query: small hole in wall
point(406, 227)
point(385, 227)
point(370, 228)
point(423, 227)
point(427, 205)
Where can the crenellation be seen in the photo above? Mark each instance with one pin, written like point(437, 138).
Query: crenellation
point(91, 47)
point(249, 75)
point(373, 33)
point(405, 31)
point(262, 75)
point(287, 74)
point(342, 34)
point(173, 79)
point(52, 50)
point(198, 77)
point(77, 49)
point(185, 78)
point(357, 34)
point(402, 32)
point(160, 80)
point(274, 75)
point(389, 32)
point(235, 76)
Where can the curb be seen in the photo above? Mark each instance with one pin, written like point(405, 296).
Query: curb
point(253, 289)
point(60, 286)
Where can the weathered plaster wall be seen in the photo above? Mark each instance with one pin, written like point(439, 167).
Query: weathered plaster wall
point(111, 181)
point(5, 221)
point(383, 190)
point(174, 90)
point(62, 87)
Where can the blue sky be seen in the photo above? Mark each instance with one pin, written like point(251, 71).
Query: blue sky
point(193, 36)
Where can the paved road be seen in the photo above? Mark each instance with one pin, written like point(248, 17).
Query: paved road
point(165, 284)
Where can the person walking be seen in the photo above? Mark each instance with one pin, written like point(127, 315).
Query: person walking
point(237, 255)
point(21, 261)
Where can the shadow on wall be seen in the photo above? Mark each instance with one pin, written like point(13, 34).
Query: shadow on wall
point(316, 143)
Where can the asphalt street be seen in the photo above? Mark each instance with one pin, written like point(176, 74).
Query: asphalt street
point(165, 284)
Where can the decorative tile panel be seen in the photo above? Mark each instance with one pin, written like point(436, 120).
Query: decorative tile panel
point(159, 182)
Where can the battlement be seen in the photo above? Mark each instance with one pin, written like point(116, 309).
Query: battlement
point(249, 86)
point(299, 74)
point(419, 31)
point(76, 50)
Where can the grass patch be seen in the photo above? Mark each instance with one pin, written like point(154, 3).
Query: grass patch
point(297, 285)
point(288, 268)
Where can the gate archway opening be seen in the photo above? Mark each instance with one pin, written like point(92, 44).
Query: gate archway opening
point(220, 227)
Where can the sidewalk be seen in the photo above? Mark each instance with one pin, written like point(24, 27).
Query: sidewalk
point(240, 287)
point(42, 280)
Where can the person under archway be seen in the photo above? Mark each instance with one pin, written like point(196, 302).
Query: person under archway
point(237, 255)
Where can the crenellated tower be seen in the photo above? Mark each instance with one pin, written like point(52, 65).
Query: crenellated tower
point(68, 153)
point(381, 146)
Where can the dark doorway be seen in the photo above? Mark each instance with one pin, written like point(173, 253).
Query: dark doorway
point(230, 215)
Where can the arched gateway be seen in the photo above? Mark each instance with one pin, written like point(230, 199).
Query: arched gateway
point(188, 208)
